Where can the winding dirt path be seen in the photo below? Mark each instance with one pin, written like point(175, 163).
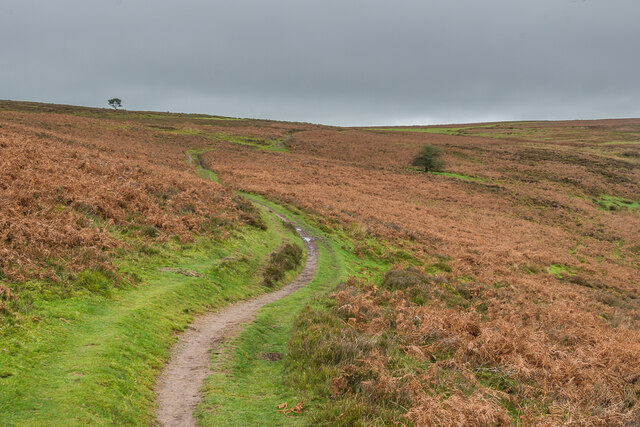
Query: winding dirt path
point(178, 389)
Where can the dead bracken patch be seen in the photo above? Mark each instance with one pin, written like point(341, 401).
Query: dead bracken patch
point(284, 408)
point(65, 188)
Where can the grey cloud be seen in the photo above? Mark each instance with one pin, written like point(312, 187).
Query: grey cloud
point(331, 61)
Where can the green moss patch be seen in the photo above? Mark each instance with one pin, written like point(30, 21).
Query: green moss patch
point(613, 203)
point(561, 271)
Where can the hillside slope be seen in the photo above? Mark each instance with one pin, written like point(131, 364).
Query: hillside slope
point(513, 294)
point(525, 303)
point(110, 244)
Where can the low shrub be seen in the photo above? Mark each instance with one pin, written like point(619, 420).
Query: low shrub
point(94, 281)
point(289, 226)
point(399, 279)
point(249, 213)
point(439, 268)
point(429, 158)
point(286, 258)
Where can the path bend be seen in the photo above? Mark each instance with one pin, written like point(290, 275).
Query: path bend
point(178, 389)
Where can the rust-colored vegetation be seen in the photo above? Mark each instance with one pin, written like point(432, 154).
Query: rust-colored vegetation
point(72, 187)
point(518, 299)
point(533, 236)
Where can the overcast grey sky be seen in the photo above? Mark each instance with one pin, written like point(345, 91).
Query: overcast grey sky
point(340, 62)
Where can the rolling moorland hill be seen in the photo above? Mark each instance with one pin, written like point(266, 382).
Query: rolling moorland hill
point(504, 289)
point(532, 234)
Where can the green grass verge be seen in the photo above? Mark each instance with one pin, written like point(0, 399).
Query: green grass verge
point(248, 383)
point(608, 202)
point(193, 158)
point(273, 144)
point(458, 176)
point(447, 174)
point(270, 144)
point(92, 359)
point(560, 270)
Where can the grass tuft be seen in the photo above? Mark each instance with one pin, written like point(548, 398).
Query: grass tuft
point(284, 259)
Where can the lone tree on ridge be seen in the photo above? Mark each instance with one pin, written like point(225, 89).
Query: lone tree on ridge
point(115, 103)
point(429, 158)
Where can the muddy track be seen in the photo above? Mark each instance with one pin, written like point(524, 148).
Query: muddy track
point(178, 389)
